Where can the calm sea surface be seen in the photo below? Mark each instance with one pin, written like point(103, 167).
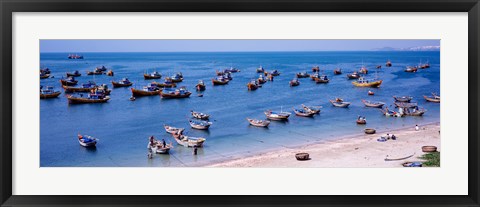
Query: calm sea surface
point(123, 126)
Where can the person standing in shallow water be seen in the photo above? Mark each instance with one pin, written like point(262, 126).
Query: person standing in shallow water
point(195, 149)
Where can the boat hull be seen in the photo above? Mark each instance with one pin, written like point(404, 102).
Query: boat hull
point(117, 84)
point(254, 122)
point(374, 84)
point(434, 100)
point(340, 105)
point(88, 144)
point(168, 95)
point(136, 92)
point(67, 83)
point(77, 100)
point(52, 95)
point(148, 77)
point(216, 82)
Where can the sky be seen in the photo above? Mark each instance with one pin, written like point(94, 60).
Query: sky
point(79, 46)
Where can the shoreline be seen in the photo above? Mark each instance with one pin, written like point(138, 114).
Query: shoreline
point(357, 150)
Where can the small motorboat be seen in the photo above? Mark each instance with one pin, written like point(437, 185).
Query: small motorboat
point(303, 112)
point(258, 123)
point(177, 77)
point(86, 87)
point(168, 83)
point(252, 85)
point(87, 141)
point(388, 64)
point(44, 75)
point(411, 69)
point(373, 104)
point(402, 98)
point(97, 96)
point(45, 71)
point(200, 115)
point(74, 56)
point(275, 73)
point(363, 70)
point(338, 102)
point(181, 92)
point(362, 82)
point(391, 113)
point(434, 98)
point(122, 83)
point(74, 74)
point(110, 73)
point(198, 124)
point(173, 130)
point(371, 93)
point(69, 81)
point(294, 82)
point(49, 92)
point(302, 75)
point(277, 116)
point(261, 79)
point(154, 75)
point(231, 70)
point(101, 68)
point(312, 109)
point(353, 75)
point(95, 72)
point(260, 69)
point(337, 71)
point(316, 69)
point(322, 79)
point(361, 120)
point(200, 86)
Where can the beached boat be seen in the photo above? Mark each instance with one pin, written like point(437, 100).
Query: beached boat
point(277, 116)
point(302, 75)
point(74, 56)
point(173, 130)
point(312, 109)
point(86, 87)
point(388, 64)
point(362, 82)
point(405, 104)
point(44, 75)
point(153, 75)
point(87, 141)
point(149, 90)
point(122, 83)
point(74, 74)
point(294, 82)
point(322, 79)
point(200, 86)
point(110, 73)
point(388, 112)
point(411, 69)
point(198, 124)
point(316, 69)
point(434, 98)
point(353, 75)
point(363, 70)
point(181, 92)
point(219, 81)
point(302, 156)
point(95, 97)
point(337, 71)
point(338, 102)
point(258, 123)
point(371, 93)
point(302, 112)
point(200, 115)
point(49, 92)
point(260, 69)
point(252, 85)
point(69, 81)
point(177, 77)
point(361, 120)
point(168, 83)
point(188, 141)
point(402, 98)
point(373, 104)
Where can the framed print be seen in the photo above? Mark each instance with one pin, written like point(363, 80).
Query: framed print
point(246, 103)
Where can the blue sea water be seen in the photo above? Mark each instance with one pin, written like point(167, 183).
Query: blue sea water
point(123, 126)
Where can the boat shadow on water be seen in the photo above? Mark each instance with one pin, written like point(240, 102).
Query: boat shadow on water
point(91, 150)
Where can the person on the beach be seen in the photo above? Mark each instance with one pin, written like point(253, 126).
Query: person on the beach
point(388, 136)
point(416, 127)
point(394, 137)
point(152, 139)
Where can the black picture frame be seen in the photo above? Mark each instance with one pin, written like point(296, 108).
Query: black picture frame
point(7, 7)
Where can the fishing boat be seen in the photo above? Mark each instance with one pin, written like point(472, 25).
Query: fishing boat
point(353, 75)
point(294, 82)
point(338, 102)
point(198, 124)
point(252, 85)
point(312, 109)
point(261, 79)
point(45, 71)
point(405, 104)
point(74, 74)
point(219, 73)
point(74, 56)
point(231, 70)
point(44, 75)
point(260, 69)
point(337, 71)
point(188, 141)
point(302, 112)
point(122, 83)
point(270, 77)
point(314, 76)
point(322, 79)
point(363, 70)
point(378, 66)
point(362, 82)
point(402, 98)
point(153, 75)
point(412, 111)
point(258, 123)
point(173, 130)
point(86, 140)
point(361, 120)
point(411, 69)
point(388, 112)
point(434, 98)
point(159, 148)
point(370, 131)
point(302, 75)
point(371, 93)
point(227, 76)
point(149, 90)
point(177, 77)
point(277, 116)
point(168, 83)
point(86, 87)
point(219, 81)
point(110, 73)
point(275, 73)
point(95, 72)
point(316, 69)
point(102, 88)
point(69, 81)
point(200, 86)
point(101, 68)
point(424, 66)
point(388, 64)
point(95, 97)
point(200, 115)
point(181, 92)
point(49, 92)
point(373, 104)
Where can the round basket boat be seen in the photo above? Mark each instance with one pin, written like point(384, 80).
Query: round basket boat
point(412, 164)
point(370, 131)
point(429, 149)
point(302, 156)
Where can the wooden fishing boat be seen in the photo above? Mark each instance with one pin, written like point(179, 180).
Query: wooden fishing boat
point(270, 77)
point(261, 79)
point(168, 83)
point(231, 70)
point(302, 112)
point(275, 73)
point(219, 81)
point(110, 73)
point(371, 93)
point(402, 98)
point(200, 86)
point(302, 75)
point(188, 141)
point(227, 76)
point(338, 102)
point(429, 148)
point(379, 66)
point(373, 104)
point(86, 87)
point(177, 77)
point(101, 68)
point(411, 69)
point(219, 73)
point(405, 104)
point(87, 141)
point(149, 90)
point(74, 74)
point(312, 109)
point(260, 69)
point(337, 71)
point(49, 92)
point(154, 75)
point(316, 69)
point(322, 79)
point(74, 56)
point(200, 115)
point(173, 130)
point(102, 88)
point(412, 111)
point(258, 123)
point(362, 82)
point(45, 71)
point(158, 148)
point(353, 75)
point(361, 120)
point(363, 70)
point(181, 92)
point(435, 99)
point(91, 98)
point(44, 75)
point(69, 81)
point(197, 124)
point(252, 85)
point(302, 156)
point(391, 113)
point(294, 82)
point(122, 83)
point(388, 64)
point(370, 131)
point(281, 116)
point(95, 72)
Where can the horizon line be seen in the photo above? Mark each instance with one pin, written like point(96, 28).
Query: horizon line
point(248, 51)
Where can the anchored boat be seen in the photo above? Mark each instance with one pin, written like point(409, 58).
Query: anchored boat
point(122, 83)
point(362, 82)
point(373, 104)
point(49, 92)
point(182, 92)
point(258, 123)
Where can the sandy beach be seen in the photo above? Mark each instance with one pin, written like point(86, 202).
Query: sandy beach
point(360, 150)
